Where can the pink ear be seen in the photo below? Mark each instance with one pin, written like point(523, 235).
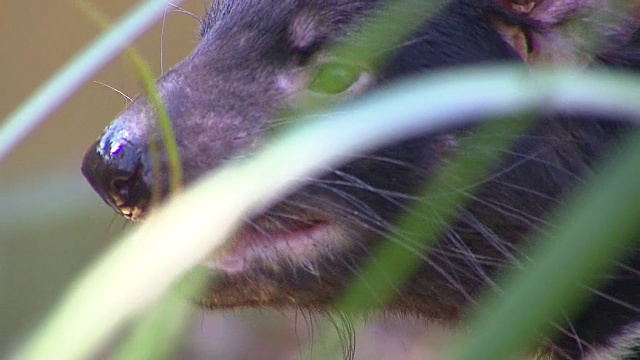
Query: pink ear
point(567, 31)
point(519, 6)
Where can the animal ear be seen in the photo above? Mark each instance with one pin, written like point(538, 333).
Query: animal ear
point(565, 31)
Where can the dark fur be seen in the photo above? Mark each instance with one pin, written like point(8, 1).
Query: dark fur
point(225, 96)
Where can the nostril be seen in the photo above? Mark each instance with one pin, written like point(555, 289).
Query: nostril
point(121, 186)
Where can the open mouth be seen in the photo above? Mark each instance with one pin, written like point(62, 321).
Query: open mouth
point(270, 241)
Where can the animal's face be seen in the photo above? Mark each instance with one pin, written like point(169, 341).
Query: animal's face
point(254, 60)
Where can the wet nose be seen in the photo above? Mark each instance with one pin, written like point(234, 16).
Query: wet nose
point(114, 169)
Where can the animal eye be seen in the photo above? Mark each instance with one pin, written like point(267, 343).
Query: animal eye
point(334, 78)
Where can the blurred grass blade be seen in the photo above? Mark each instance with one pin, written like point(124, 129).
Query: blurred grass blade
point(369, 46)
point(156, 335)
point(403, 251)
point(58, 88)
point(599, 225)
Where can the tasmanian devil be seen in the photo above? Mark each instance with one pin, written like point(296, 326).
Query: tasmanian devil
point(256, 56)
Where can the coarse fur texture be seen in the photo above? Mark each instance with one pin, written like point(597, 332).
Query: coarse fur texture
point(257, 56)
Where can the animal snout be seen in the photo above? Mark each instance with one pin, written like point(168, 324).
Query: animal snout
point(115, 169)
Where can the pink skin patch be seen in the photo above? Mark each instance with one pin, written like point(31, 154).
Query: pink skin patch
point(296, 240)
point(556, 42)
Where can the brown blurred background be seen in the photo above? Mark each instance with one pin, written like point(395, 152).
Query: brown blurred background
point(51, 223)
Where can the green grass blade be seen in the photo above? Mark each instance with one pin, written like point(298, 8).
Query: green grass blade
point(156, 335)
point(599, 225)
point(399, 255)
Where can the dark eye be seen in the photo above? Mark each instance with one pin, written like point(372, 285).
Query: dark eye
point(334, 78)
